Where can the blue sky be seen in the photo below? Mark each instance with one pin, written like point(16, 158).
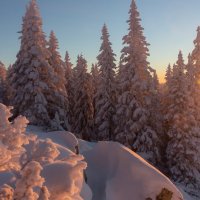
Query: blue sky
point(169, 26)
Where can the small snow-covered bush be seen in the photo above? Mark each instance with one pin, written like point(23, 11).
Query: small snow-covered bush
point(42, 151)
point(30, 179)
point(6, 192)
point(12, 139)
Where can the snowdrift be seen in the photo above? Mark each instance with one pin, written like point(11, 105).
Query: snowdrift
point(113, 171)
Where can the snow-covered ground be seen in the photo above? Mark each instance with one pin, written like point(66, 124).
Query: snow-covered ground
point(113, 172)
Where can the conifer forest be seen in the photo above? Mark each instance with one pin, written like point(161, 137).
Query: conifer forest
point(109, 131)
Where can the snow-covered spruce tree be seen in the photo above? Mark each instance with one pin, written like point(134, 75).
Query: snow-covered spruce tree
point(31, 70)
point(132, 117)
point(183, 146)
point(9, 89)
point(168, 74)
point(105, 94)
point(156, 118)
point(193, 69)
point(3, 74)
point(95, 82)
point(165, 98)
point(69, 88)
point(58, 102)
point(83, 108)
point(95, 77)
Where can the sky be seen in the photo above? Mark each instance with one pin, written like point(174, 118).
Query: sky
point(169, 26)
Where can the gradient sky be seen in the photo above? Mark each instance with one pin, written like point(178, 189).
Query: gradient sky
point(169, 26)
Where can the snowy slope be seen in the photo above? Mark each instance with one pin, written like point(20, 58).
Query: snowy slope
point(113, 172)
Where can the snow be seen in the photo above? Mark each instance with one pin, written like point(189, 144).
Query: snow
point(67, 182)
point(63, 138)
point(6, 178)
point(110, 166)
point(102, 171)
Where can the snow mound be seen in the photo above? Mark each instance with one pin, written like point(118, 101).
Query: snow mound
point(65, 179)
point(114, 173)
point(63, 138)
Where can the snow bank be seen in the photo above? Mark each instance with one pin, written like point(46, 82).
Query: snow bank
point(65, 179)
point(63, 138)
point(115, 173)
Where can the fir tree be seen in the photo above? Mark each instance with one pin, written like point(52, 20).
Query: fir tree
point(69, 88)
point(166, 101)
point(168, 74)
point(3, 74)
point(95, 82)
point(95, 77)
point(182, 150)
point(83, 108)
point(132, 117)
point(31, 70)
point(105, 94)
point(9, 89)
point(193, 69)
point(58, 102)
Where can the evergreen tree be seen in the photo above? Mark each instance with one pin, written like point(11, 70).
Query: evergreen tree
point(182, 150)
point(95, 77)
point(37, 78)
point(3, 74)
point(166, 101)
point(69, 88)
point(168, 74)
point(154, 108)
point(31, 70)
point(105, 94)
point(132, 117)
point(196, 54)
point(58, 102)
point(95, 82)
point(9, 89)
point(83, 108)
point(193, 69)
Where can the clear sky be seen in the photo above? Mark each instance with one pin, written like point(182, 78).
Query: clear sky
point(169, 26)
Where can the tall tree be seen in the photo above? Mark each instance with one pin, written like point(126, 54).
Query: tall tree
point(182, 150)
point(106, 89)
point(38, 91)
point(83, 108)
point(193, 69)
point(58, 102)
point(132, 117)
point(95, 82)
point(9, 88)
point(168, 74)
point(3, 74)
point(69, 88)
point(95, 76)
point(31, 70)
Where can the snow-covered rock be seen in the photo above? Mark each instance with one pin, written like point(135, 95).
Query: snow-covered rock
point(114, 173)
point(101, 171)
